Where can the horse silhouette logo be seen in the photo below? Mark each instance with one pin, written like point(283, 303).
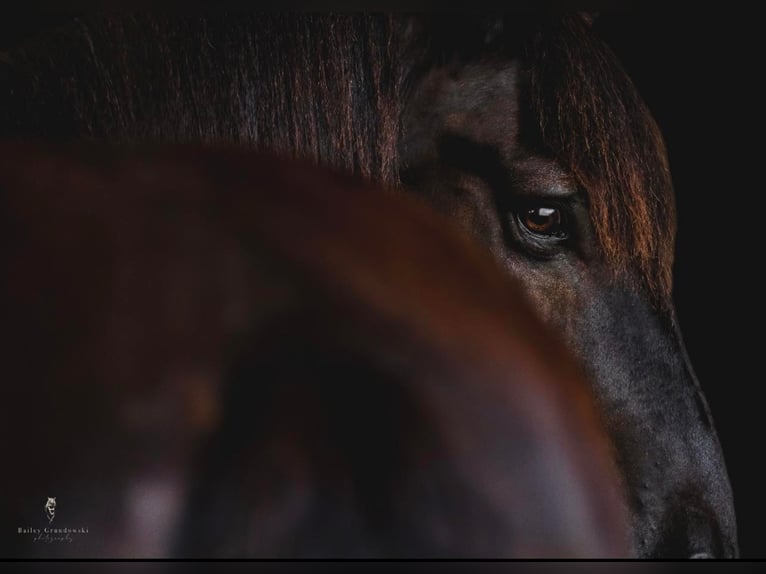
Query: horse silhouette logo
point(50, 509)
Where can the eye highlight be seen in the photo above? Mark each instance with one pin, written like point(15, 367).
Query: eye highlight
point(543, 220)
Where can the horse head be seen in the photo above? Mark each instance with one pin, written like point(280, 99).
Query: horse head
point(538, 145)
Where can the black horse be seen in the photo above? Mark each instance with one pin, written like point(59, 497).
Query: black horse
point(525, 130)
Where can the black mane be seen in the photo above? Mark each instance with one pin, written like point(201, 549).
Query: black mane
point(323, 87)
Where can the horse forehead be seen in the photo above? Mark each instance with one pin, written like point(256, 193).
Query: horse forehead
point(478, 101)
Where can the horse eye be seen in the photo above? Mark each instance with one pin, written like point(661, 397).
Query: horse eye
point(546, 221)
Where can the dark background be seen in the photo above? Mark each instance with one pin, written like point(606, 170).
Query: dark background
point(697, 72)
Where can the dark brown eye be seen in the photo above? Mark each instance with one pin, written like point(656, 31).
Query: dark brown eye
point(547, 221)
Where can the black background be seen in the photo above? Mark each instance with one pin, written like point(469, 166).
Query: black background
point(697, 72)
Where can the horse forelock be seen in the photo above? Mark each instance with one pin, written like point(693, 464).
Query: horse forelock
point(590, 117)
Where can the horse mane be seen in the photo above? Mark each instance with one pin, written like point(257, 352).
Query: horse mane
point(322, 87)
